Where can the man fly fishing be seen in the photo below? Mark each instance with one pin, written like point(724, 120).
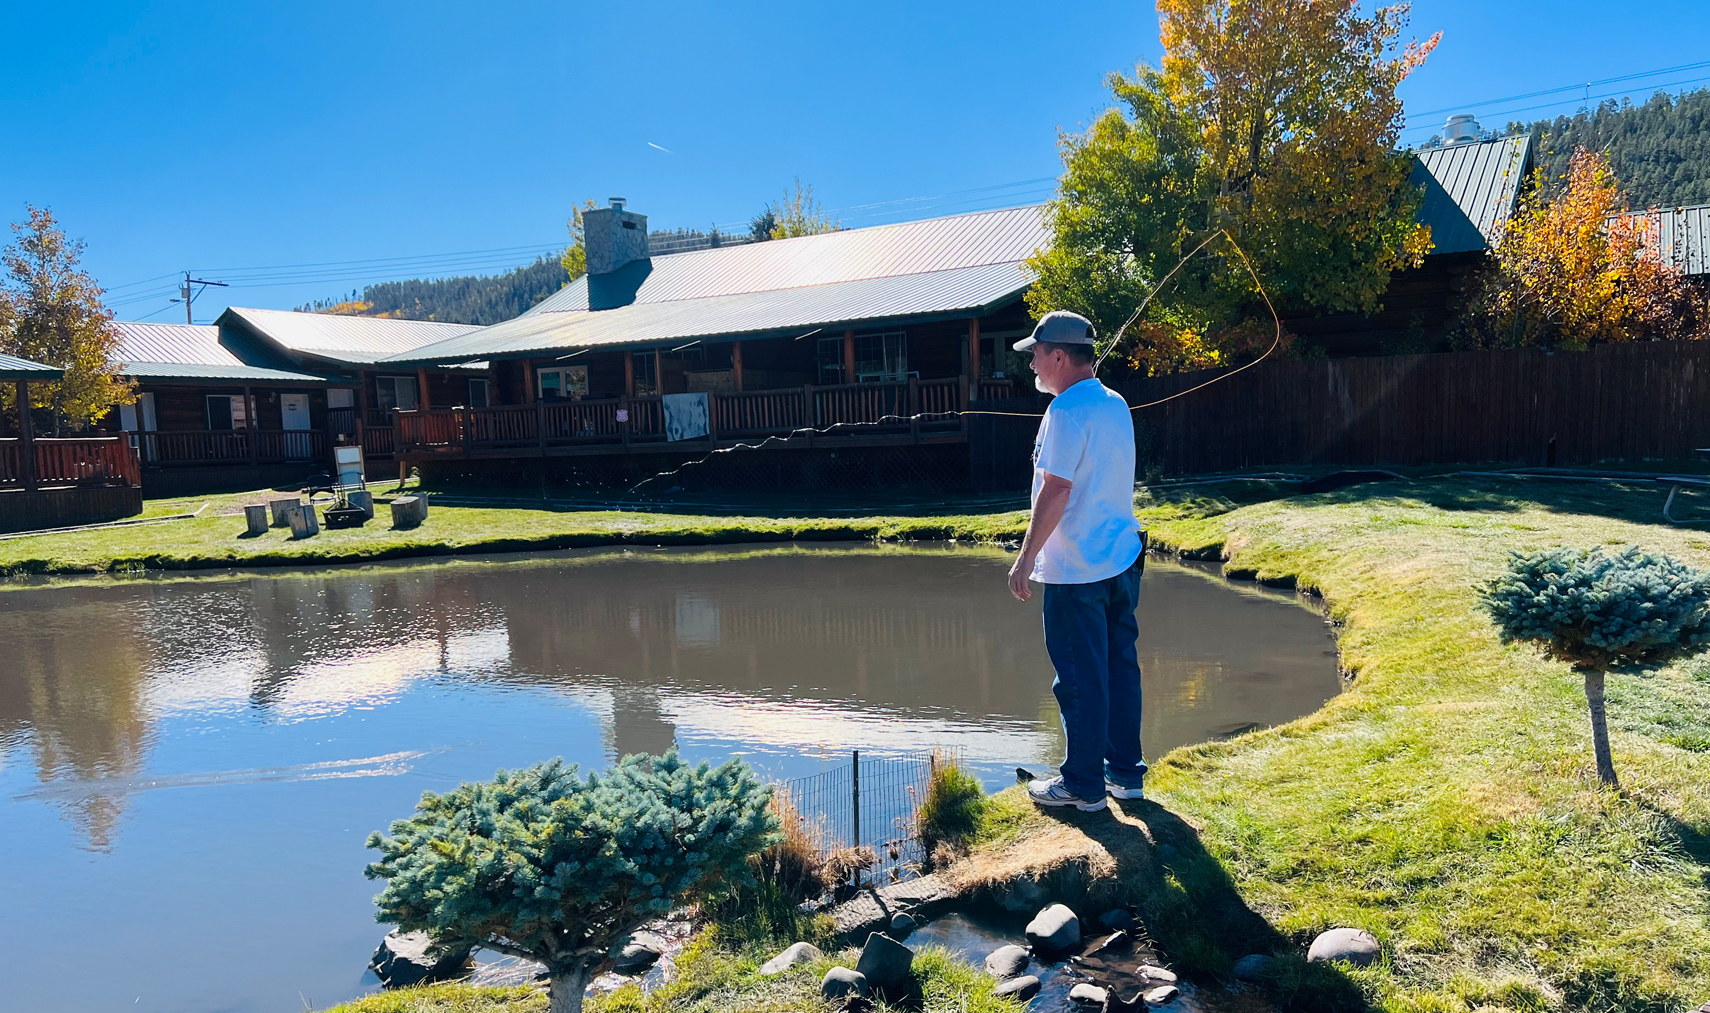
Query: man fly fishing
point(1084, 545)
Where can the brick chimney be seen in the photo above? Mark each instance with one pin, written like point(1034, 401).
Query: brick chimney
point(614, 237)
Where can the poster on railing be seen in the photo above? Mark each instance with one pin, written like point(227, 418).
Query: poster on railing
point(685, 416)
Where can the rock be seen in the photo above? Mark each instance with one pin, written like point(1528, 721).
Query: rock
point(1254, 967)
point(1356, 946)
point(1054, 929)
point(797, 953)
point(885, 963)
point(841, 981)
point(641, 952)
point(1007, 961)
point(1087, 995)
point(1156, 973)
point(403, 959)
point(1023, 893)
point(872, 910)
point(902, 925)
point(1020, 989)
point(1117, 919)
point(1161, 995)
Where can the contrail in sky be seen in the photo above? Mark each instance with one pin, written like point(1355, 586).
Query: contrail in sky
point(667, 151)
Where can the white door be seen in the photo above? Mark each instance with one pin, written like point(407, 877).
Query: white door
point(294, 410)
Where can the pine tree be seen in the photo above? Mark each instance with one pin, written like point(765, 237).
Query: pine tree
point(543, 864)
point(1597, 610)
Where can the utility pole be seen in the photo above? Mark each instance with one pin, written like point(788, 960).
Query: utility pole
point(185, 295)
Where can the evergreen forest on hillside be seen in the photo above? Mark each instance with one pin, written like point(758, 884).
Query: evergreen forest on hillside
point(1660, 150)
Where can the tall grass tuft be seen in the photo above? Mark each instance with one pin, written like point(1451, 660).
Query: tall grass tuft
point(949, 815)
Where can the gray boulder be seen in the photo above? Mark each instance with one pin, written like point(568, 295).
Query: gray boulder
point(403, 959)
point(1055, 929)
point(1254, 967)
point(1007, 961)
point(841, 982)
point(641, 952)
point(1085, 995)
point(885, 963)
point(796, 953)
point(1020, 989)
point(902, 925)
point(1356, 946)
point(1152, 972)
point(1161, 995)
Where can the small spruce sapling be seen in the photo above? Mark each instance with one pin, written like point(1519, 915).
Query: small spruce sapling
point(543, 864)
point(1597, 610)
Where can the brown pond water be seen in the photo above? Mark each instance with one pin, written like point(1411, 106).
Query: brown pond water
point(189, 768)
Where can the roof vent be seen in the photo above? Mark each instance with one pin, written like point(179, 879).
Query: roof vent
point(1461, 129)
point(613, 237)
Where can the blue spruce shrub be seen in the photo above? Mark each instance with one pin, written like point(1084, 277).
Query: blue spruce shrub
point(544, 864)
point(1598, 610)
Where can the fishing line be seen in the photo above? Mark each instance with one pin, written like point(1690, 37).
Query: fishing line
point(886, 420)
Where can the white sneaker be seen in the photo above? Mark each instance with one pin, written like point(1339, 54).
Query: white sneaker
point(1115, 790)
point(1050, 791)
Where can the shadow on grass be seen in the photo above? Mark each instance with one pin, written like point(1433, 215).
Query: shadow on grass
point(1193, 912)
point(1639, 501)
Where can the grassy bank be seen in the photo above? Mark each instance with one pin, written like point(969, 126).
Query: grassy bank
point(1447, 801)
point(217, 538)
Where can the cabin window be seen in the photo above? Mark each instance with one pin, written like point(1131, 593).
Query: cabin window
point(881, 358)
point(341, 397)
point(646, 379)
point(227, 412)
point(395, 392)
point(478, 393)
point(569, 382)
point(830, 358)
point(140, 412)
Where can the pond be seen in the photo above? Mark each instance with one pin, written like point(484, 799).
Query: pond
point(189, 767)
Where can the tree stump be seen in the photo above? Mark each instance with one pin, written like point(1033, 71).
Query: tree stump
point(409, 511)
point(304, 522)
point(257, 518)
point(279, 506)
point(364, 500)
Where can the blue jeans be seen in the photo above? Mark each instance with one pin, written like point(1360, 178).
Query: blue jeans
point(1090, 634)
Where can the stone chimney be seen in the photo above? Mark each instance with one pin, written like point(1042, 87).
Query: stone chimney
point(613, 237)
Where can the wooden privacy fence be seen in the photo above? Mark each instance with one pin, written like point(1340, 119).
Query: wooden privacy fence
point(1647, 400)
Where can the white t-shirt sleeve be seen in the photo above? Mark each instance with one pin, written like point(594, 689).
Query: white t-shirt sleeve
point(1061, 446)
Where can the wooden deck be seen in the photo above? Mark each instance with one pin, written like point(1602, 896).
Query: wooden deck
point(918, 412)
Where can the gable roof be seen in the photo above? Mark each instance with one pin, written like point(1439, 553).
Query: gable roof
point(941, 267)
point(342, 340)
point(155, 351)
point(1470, 191)
point(14, 368)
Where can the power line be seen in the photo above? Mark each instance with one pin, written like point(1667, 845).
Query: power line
point(1568, 87)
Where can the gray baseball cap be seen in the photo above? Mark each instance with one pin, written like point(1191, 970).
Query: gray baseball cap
point(1060, 327)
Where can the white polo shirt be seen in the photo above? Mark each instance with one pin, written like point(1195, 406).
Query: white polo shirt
point(1087, 437)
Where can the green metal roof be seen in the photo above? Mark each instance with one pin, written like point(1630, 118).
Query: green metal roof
point(206, 373)
point(1470, 191)
point(14, 368)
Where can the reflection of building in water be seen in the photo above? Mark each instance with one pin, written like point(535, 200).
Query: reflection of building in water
point(638, 723)
point(72, 685)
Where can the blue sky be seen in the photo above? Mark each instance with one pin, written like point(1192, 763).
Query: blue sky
point(295, 148)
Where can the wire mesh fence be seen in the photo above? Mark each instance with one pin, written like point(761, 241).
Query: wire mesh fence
point(873, 803)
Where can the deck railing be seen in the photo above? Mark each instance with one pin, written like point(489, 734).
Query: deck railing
point(910, 408)
point(233, 446)
point(94, 461)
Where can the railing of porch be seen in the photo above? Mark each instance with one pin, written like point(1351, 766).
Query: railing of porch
point(95, 461)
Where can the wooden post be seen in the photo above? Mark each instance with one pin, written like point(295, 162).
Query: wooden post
point(736, 363)
point(810, 417)
point(849, 356)
point(466, 411)
point(26, 438)
point(974, 351)
point(249, 423)
point(628, 373)
point(362, 408)
point(423, 401)
point(966, 392)
point(658, 377)
point(623, 402)
point(855, 807)
point(528, 383)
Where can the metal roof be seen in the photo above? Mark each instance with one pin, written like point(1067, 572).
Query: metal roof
point(790, 311)
point(342, 339)
point(1470, 191)
point(151, 351)
point(14, 368)
point(1684, 235)
point(939, 267)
